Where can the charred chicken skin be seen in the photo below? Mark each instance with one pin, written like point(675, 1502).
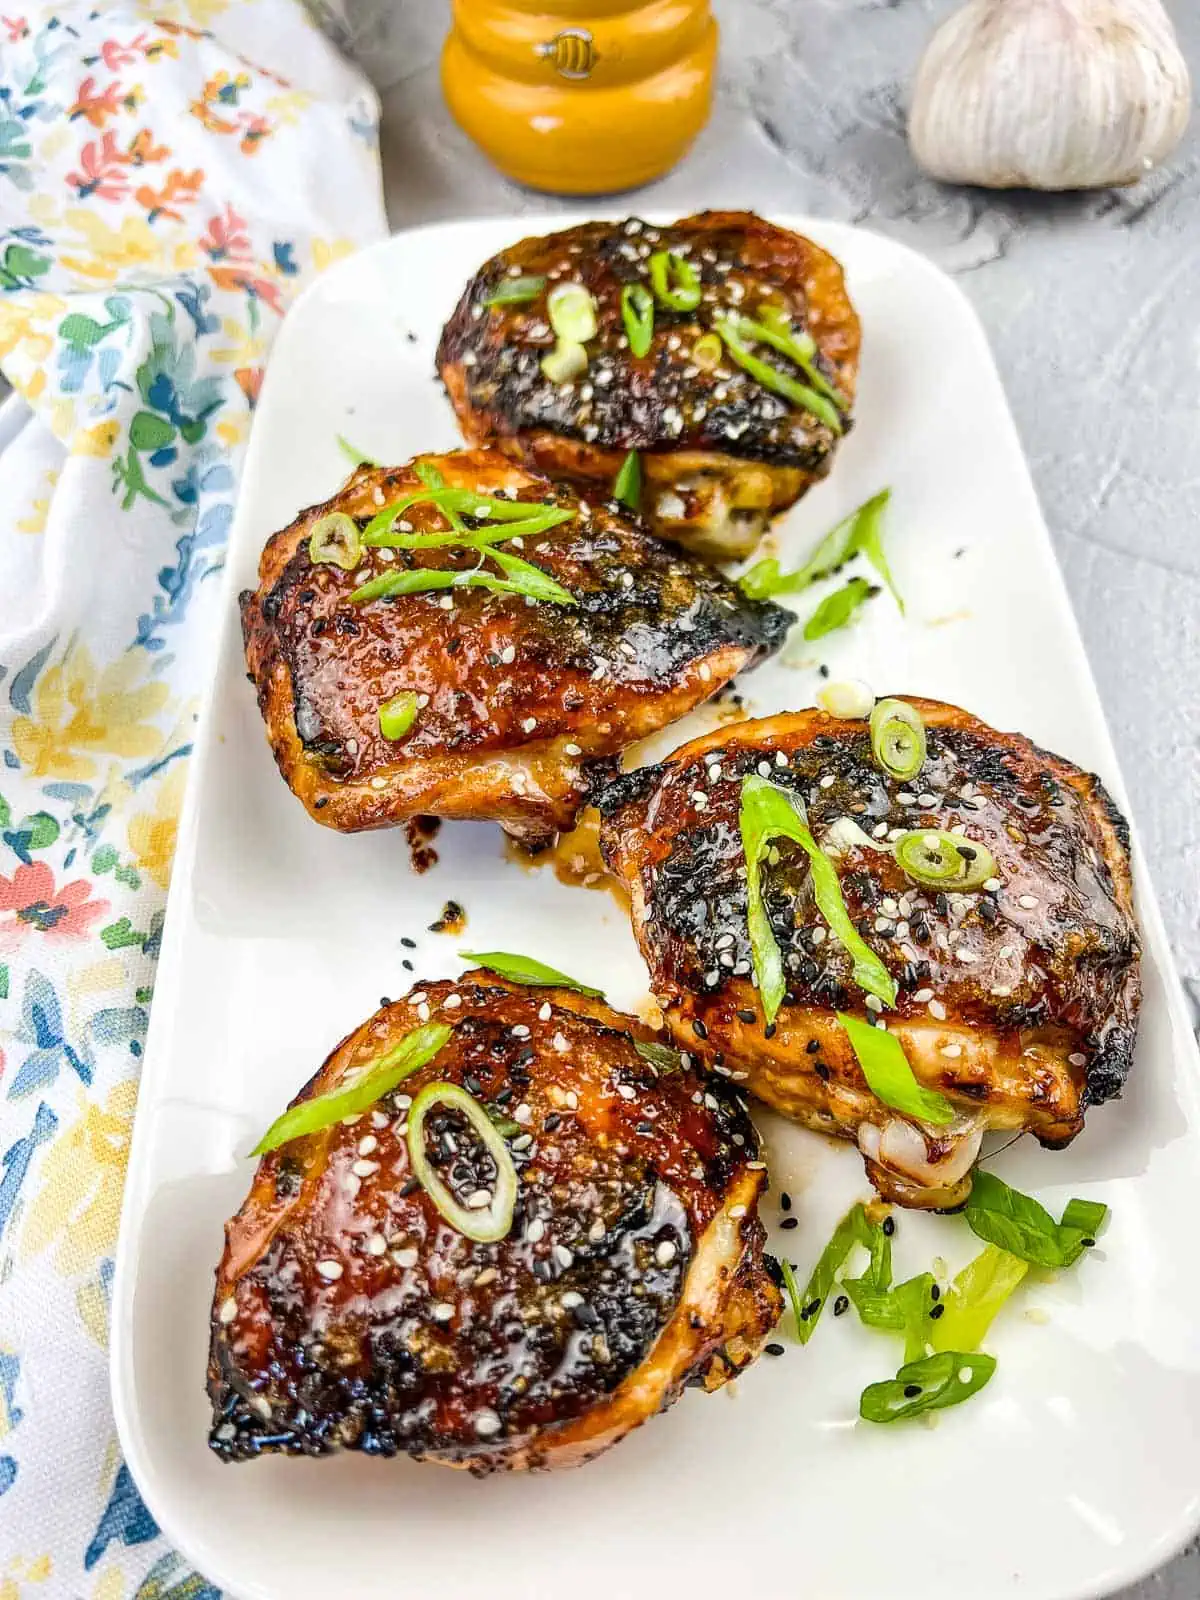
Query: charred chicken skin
point(723, 448)
point(350, 1313)
point(1018, 1001)
point(512, 697)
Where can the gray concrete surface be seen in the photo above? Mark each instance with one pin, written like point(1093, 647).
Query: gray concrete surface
point(1092, 303)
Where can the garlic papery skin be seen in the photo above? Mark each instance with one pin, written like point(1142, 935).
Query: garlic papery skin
point(1049, 94)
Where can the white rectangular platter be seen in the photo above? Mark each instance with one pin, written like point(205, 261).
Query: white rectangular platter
point(1079, 1467)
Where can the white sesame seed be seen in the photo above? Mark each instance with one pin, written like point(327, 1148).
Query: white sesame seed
point(406, 1257)
point(423, 1011)
point(1027, 901)
point(479, 1200)
point(572, 1100)
point(368, 1145)
point(921, 995)
point(545, 1012)
point(1077, 1058)
point(828, 781)
point(529, 724)
point(562, 1255)
point(874, 1003)
point(992, 885)
point(442, 1311)
point(596, 1231)
point(665, 1252)
point(487, 1424)
point(376, 1245)
point(705, 672)
point(937, 1010)
point(330, 1269)
point(482, 1279)
point(951, 1050)
point(228, 1311)
point(1001, 989)
point(699, 799)
point(520, 1031)
point(364, 1169)
point(509, 654)
point(1006, 951)
point(560, 1043)
point(737, 1211)
point(536, 1230)
point(572, 749)
point(523, 1114)
point(818, 936)
point(969, 957)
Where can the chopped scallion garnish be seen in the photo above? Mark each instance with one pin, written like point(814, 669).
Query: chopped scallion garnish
point(567, 360)
point(572, 313)
point(514, 291)
point(397, 715)
point(637, 313)
point(939, 860)
point(890, 1077)
point(663, 1057)
point(524, 969)
point(972, 1301)
point(628, 485)
point(937, 1381)
point(388, 584)
point(838, 609)
point(739, 335)
point(768, 813)
point(1021, 1225)
point(335, 540)
point(852, 535)
point(378, 1078)
point(707, 352)
point(484, 1223)
point(897, 738)
point(675, 281)
point(354, 454)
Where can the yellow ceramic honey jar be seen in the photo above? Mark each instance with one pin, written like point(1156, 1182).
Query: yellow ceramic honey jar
point(581, 96)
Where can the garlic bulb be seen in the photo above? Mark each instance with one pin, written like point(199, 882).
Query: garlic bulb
point(1049, 94)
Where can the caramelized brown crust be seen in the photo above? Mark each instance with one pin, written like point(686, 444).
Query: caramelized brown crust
point(720, 453)
point(520, 699)
point(349, 1314)
point(1018, 1002)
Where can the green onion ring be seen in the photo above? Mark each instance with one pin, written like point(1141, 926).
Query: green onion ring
point(396, 716)
point(486, 1224)
point(627, 487)
point(335, 541)
point(567, 360)
point(940, 860)
point(513, 291)
point(707, 352)
point(675, 281)
point(637, 313)
point(572, 313)
point(897, 739)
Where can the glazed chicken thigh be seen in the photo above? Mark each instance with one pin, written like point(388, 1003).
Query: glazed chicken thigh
point(352, 1312)
point(461, 638)
point(722, 348)
point(1017, 999)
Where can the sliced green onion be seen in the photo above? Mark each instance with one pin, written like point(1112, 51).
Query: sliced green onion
point(902, 1309)
point(765, 578)
point(378, 1078)
point(939, 860)
point(396, 716)
point(942, 1380)
point(628, 486)
point(854, 1228)
point(774, 329)
point(487, 1223)
point(889, 1076)
point(513, 291)
point(531, 580)
point(524, 969)
point(1021, 1225)
point(898, 738)
point(868, 541)
point(662, 1056)
point(415, 582)
point(566, 361)
point(767, 813)
point(335, 541)
point(637, 313)
point(433, 480)
point(354, 454)
point(838, 609)
point(707, 352)
point(731, 329)
point(972, 1301)
point(572, 313)
point(675, 281)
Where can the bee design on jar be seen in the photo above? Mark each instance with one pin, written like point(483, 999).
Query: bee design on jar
point(573, 53)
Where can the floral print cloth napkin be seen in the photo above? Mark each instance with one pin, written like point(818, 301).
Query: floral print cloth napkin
point(170, 176)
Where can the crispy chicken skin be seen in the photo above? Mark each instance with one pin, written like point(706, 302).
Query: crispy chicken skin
point(720, 453)
point(520, 699)
point(1019, 1003)
point(349, 1314)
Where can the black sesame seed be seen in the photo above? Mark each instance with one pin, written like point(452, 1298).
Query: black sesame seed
point(935, 1312)
point(821, 1070)
point(320, 802)
point(785, 1200)
point(384, 1001)
point(769, 1031)
point(911, 1391)
point(841, 1305)
point(889, 1226)
point(409, 1186)
point(773, 1349)
point(935, 1293)
point(551, 1122)
point(790, 1222)
point(699, 1029)
point(813, 1046)
point(409, 944)
point(811, 1309)
point(745, 1016)
point(407, 965)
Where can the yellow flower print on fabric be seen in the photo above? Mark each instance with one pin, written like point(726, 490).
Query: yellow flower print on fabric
point(27, 325)
point(35, 522)
point(79, 714)
point(78, 1204)
point(152, 834)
